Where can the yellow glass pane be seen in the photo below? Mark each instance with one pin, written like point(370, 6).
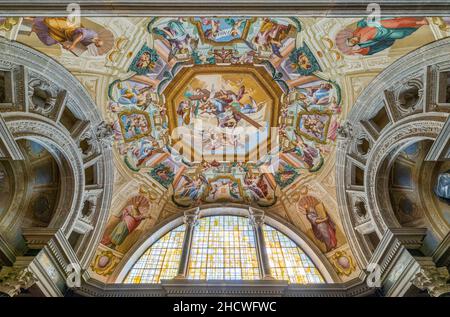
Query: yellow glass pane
point(160, 261)
point(222, 247)
point(287, 260)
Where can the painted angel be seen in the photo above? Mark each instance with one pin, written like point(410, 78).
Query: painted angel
point(144, 151)
point(308, 154)
point(194, 188)
point(271, 36)
point(179, 39)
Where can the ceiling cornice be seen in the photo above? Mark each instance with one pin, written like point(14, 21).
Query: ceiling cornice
point(225, 7)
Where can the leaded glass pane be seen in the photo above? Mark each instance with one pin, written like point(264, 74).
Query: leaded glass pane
point(223, 247)
point(160, 261)
point(288, 261)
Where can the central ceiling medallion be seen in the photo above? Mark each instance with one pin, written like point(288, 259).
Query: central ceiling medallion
point(222, 113)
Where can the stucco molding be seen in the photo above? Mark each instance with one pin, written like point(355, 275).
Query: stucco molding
point(42, 123)
point(414, 128)
point(191, 288)
point(406, 125)
point(226, 7)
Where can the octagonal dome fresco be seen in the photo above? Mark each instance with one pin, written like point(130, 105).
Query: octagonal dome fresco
point(223, 113)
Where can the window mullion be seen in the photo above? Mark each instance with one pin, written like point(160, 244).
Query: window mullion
point(257, 220)
point(190, 220)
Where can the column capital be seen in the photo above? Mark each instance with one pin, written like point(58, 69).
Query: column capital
point(256, 216)
point(191, 216)
point(13, 279)
point(433, 279)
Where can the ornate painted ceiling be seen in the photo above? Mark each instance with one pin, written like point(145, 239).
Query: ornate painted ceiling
point(209, 110)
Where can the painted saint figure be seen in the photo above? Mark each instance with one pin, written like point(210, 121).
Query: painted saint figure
point(59, 30)
point(308, 154)
point(133, 96)
point(256, 187)
point(179, 39)
point(271, 36)
point(144, 151)
point(373, 37)
point(146, 62)
point(193, 188)
point(129, 219)
point(322, 226)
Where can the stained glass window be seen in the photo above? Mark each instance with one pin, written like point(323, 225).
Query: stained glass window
point(223, 248)
point(160, 261)
point(287, 260)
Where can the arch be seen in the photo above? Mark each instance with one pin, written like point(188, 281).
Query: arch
point(299, 238)
point(7, 185)
point(64, 150)
point(48, 124)
point(381, 160)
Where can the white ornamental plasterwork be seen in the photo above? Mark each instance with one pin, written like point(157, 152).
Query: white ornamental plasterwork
point(402, 90)
point(377, 195)
point(98, 137)
point(93, 146)
point(433, 279)
point(104, 134)
point(42, 96)
point(17, 73)
point(41, 123)
point(28, 128)
point(409, 97)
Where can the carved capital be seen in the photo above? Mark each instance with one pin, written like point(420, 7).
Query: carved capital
point(14, 279)
point(433, 279)
point(104, 134)
point(256, 216)
point(345, 131)
point(190, 217)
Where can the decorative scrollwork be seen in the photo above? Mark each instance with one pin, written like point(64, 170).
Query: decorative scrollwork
point(42, 96)
point(104, 134)
point(409, 97)
point(345, 131)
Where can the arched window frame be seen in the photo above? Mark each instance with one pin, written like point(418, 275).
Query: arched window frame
point(302, 241)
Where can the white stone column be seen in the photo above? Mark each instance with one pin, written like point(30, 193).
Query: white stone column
point(257, 220)
point(190, 220)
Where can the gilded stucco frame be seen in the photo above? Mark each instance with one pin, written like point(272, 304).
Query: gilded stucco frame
point(180, 80)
